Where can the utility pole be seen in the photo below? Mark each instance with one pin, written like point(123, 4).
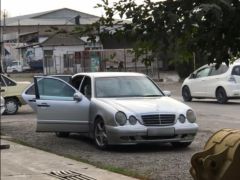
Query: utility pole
point(2, 40)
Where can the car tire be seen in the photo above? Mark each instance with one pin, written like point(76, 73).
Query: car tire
point(100, 134)
point(62, 134)
point(11, 106)
point(181, 144)
point(186, 94)
point(221, 95)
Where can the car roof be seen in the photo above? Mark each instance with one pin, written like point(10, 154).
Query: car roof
point(109, 74)
point(237, 62)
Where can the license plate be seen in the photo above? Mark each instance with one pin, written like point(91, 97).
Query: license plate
point(159, 131)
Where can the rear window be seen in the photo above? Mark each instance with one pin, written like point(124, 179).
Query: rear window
point(236, 70)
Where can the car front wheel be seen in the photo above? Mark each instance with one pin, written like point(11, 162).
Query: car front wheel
point(100, 134)
point(221, 95)
point(186, 94)
point(181, 144)
point(11, 106)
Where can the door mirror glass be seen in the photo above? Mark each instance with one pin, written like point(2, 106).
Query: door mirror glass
point(77, 97)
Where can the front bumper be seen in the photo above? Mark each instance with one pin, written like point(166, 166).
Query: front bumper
point(149, 134)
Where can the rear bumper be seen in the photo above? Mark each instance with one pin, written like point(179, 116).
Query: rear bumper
point(233, 91)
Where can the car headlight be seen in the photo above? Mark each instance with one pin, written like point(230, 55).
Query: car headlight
point(121, 118)
point(182, 118)
point(191, 116)
point(132, 120)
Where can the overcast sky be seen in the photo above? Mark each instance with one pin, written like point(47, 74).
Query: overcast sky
point(23, 7)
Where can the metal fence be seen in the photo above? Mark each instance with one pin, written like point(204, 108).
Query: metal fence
point(99, 61)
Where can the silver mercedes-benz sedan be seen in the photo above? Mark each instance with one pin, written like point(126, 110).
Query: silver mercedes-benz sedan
point(112, 108)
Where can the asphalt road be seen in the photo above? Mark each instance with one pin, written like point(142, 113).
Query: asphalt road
point(155, 161)
point(211, 115)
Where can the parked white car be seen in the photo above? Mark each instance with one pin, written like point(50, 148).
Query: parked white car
point(17, 66)
point(208, 82)
point(112, 108)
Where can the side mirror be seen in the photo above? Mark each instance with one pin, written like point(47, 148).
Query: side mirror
point(167, 93)
point(77, 97)
point(192, 76)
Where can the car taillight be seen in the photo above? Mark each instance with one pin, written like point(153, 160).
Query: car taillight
point(232, 79)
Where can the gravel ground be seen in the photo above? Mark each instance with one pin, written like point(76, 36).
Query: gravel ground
point(153, 161)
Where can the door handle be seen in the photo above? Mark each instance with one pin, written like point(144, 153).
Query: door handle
point(32, 100)
point(43, 105)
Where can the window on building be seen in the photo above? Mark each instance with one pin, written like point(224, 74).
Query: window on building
point(48, 57)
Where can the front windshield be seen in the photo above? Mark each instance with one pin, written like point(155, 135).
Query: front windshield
point(126, 86)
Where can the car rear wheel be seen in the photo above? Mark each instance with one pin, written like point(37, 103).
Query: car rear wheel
point(11, 106)
point(62, 134)
point(221, 95)
point(100, 134)
point(186, 94)
point(181, 144)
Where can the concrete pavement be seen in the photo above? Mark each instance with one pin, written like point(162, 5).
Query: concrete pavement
point(25, 163)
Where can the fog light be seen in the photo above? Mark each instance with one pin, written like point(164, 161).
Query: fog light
point(182, 118)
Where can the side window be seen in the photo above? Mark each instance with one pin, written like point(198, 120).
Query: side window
point(86, 88)
point(8, 82)
point(203, 72)
point(54, 89)
point(31, 90)
point(222, 69)
point(236, 71)
point(2, 83)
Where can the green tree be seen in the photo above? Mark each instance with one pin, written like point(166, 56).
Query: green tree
point(178, 28)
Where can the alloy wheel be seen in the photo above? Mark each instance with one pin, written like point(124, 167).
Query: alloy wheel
point(100, 134)
point(11, 106)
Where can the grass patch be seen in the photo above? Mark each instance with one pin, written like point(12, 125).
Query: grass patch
point(111, 168)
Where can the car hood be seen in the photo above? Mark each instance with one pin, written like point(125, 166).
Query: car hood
point(146, 105)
